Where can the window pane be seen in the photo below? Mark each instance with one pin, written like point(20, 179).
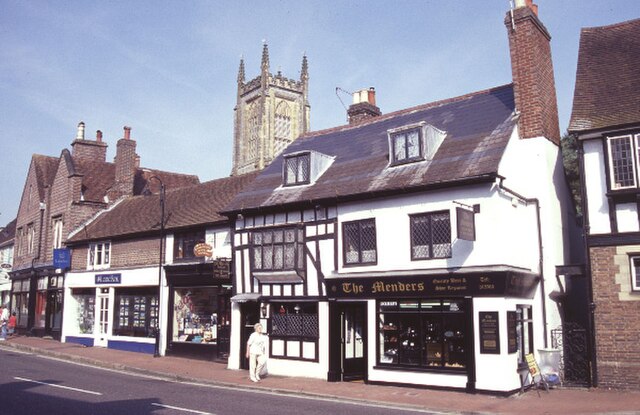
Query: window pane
point(278, 256)
point(420, 236)
point(289, 256)
point(351, 243)
point(267, 257)
point(413, 144)
point(622, 162)
point(303, 168)
point(441, 235)
point(399, 147)
point(291, 167)
point(257, 257)
point(636, 273)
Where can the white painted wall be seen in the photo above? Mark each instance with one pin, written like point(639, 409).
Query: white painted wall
point(627, 217)
point(596, 187)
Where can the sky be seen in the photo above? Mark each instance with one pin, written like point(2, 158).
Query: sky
point(168, 69)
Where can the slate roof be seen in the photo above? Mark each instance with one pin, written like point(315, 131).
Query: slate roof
point(8, 233)
point(184, 207)
point(608, 77)
point(477, 126)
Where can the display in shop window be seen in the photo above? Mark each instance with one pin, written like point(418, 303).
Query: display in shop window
point(198, 314)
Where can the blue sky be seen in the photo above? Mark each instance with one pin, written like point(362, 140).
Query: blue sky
point(168, 68)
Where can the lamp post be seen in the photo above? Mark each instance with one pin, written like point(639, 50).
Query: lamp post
point(156, 350)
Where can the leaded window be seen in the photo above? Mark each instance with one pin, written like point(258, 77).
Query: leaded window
point(297, 169)
point(406, 146)
point(430, 235)
point(623, 155)
point(278, 249)
point(359, 242)
point(298, 320)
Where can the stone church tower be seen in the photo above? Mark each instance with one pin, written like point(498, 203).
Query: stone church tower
point(271, 112)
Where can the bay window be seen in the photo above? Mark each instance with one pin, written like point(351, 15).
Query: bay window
point(280, 249)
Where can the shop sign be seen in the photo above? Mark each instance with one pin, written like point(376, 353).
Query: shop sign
point(512, 334)
point(466, 224)
point(62, 258)
point(502, 284)
point(489, 332)
point(222, 268)
point(203, 250)
point(108, 278)
point(6, 266)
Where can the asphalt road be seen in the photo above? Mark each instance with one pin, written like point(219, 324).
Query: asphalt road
point(32, 384)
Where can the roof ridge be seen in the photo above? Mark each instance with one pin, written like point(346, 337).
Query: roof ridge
point(610, 26)
point(392, 114)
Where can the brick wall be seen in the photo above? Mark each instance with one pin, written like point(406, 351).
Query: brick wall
point(124, 254)
point(532, 72)
point(617, 318)
point(125, 166)
point(28, 213)
point(89, 150)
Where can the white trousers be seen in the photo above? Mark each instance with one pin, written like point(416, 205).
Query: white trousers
point(256, 364)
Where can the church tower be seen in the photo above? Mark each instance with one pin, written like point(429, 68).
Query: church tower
point(270, 113)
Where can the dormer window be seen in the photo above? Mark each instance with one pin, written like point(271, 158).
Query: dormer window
point(297, 169)
point(407, 146)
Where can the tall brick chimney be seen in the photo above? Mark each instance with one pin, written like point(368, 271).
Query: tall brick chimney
point(532, 72)
point(125, 166)
point(363, 106)
point(88, 150)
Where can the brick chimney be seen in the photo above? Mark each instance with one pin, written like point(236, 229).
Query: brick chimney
point(532, 72)
point(125, 166)
point(88, 150)
point(363, 106)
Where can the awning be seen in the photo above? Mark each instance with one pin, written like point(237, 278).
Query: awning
point(278, 277)
point(243, 298)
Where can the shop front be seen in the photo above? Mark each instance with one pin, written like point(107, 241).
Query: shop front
point(457, 330)
point(199, 317)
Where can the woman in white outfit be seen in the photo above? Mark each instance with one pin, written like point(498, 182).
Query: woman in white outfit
point(256, 349)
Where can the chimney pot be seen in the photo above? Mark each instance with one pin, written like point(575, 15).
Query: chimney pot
point(99, 136)
point(127, 133)
point(364, 106)
point(80, 133)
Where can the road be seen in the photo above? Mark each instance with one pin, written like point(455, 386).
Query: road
point(32, 384)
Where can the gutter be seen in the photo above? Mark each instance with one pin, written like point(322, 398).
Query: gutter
point(536, 202)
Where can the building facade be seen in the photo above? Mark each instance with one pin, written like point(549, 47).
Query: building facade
point(606, 122)
point(60, 195)
point(7, 237)
point(417, 247)
point(270, 113)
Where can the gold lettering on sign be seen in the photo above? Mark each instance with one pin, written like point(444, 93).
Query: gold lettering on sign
point(381, 287)
point(352, 288)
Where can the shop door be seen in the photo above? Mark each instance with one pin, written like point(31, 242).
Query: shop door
point(102, 311)
point(354, 341)
point(54, 313)
point(250, 315)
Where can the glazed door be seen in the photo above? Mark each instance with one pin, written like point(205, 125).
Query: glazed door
point(102, 311)
point(54, 312)
point(354, 341)
point(250, 316)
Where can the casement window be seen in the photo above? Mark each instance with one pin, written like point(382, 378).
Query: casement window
point(31, 238)
point(430, 235)
point(57, 232)
point(359, 242)
point(280, 249)
point(623, 161)
point(635, 273)
point(297, 169)
point(99, 255)
point(407, 146)
point(524, 332)
point(294, 320)
point(136, 312)
point(184, 242)
point(422, 333)
point(19, 241)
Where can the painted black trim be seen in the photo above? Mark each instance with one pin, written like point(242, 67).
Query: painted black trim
point(626, 238)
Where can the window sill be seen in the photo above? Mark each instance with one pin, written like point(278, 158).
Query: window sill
point(422, 369)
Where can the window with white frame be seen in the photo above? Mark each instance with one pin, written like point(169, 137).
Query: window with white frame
point(623, 161)
point(31, 238)
point(297, 169)
point(99, 255)
point(57, 232)
point(635, 273)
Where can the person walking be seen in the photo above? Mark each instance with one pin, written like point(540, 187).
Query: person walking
point(256, 352)
point(13, 320)
point(4, 320)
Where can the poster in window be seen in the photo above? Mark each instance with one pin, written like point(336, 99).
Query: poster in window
point(489, 332)
point(512, 336)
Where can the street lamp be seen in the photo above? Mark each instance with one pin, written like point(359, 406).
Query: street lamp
point(156, 350)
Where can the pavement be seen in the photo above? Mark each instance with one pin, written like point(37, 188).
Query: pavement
point(560, 400)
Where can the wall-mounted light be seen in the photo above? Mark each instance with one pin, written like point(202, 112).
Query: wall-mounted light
point(297, 308)
point(263, 310)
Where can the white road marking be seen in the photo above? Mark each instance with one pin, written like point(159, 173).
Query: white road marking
point(177, 408)
point(57, 386)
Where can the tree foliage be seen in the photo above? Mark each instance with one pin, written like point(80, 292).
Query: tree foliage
point(569, 147)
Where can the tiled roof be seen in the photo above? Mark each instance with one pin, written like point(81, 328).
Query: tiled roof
point(608, 77)
point(8, 233)
point(184, 207)
point(477, 126)
point(46, 168)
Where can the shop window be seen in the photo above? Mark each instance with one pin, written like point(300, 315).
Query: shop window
point(426, 334)
point(85, 309)
point(99, 255)
point(57, 233)
point(359, 242)
point(20, 300)
point(278, 249)
point(430, 235)
point(184, 242)
point(136, 313)
point(635, 273)
point(297, 169)
point(524, 332)
point(294, 320)
point(41, 303)
point(197, 314)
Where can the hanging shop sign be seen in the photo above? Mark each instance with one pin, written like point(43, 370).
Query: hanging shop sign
point(6, 266)
point(203, 250)
point(466, 224)
point(489, 332)
point(497, 284)
point(222, 268)
point(108, 279)
point(62, 258)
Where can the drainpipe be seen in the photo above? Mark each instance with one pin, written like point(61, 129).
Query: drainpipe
point(536, 202)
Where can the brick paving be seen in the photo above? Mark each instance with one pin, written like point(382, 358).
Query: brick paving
point(556, 401)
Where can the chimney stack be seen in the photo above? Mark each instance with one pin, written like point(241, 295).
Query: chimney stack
point(363, 106)
point(89, 150)
point(125, 166)
point(532, 71)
